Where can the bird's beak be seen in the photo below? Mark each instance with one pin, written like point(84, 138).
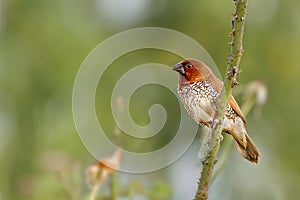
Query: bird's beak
point(179, 67)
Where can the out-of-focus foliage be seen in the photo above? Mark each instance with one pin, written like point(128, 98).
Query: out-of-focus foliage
point(42, 44)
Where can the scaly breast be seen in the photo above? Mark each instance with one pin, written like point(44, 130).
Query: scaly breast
point(198, 102)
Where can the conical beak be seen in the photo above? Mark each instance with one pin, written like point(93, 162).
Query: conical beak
point(179, 67)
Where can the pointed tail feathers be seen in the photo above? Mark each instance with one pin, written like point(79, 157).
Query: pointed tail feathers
point(247, 148)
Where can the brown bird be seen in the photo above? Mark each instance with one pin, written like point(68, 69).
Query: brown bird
point(198, 88)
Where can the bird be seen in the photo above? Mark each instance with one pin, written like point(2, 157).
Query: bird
point(198, 89)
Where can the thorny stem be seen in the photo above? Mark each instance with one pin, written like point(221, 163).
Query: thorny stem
point(236, 51)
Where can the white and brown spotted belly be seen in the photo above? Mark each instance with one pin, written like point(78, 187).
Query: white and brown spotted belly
point(198, 99)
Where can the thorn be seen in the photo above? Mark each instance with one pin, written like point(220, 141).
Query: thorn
point(228, 77)
point(221, 138)
point(231, 33)
point(235, 16)
point(231, 74)
point(215, 161)
point(232, 23)
point(235, 70)
point(234, 83)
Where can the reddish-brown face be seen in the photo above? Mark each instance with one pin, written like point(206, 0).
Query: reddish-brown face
point(188, 70)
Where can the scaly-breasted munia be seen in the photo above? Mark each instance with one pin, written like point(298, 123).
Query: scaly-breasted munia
point(198, 88)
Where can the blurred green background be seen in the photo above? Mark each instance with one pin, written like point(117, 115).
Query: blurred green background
point(43, 43)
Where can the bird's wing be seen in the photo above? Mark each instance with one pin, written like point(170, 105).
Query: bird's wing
point(236, 108)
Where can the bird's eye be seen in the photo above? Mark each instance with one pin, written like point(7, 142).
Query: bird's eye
point(189, 65)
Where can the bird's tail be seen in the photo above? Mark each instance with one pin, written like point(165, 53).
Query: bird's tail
point(247, 148)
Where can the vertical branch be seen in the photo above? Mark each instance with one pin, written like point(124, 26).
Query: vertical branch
point(236, 51)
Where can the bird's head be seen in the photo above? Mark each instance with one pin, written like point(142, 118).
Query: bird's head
point(189, 70)
point(192, 70)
